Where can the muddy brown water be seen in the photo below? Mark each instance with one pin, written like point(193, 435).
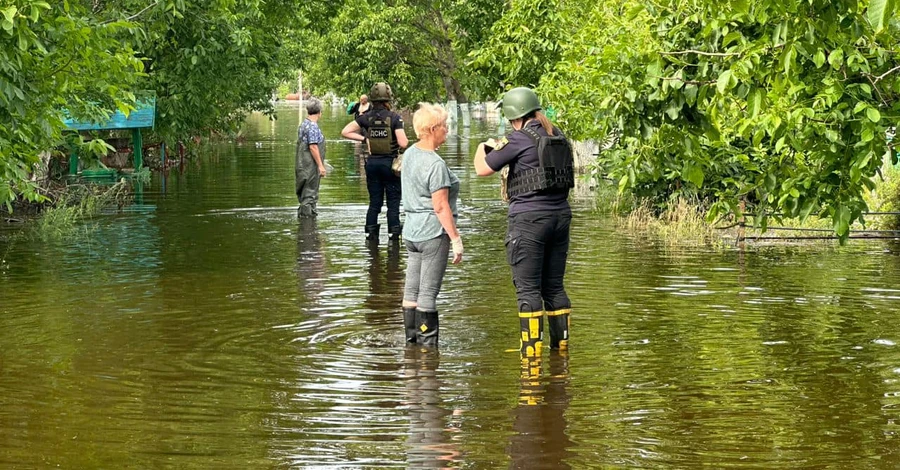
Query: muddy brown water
point(207, 328)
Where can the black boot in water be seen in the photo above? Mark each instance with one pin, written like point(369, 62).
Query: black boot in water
point(427, 328)
point(395, 232)
point(372, 231)
point(409, 324)
point(558, 320)
point(531, 330)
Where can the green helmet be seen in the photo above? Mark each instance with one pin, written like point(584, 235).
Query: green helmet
point(518, 102)
point(381, 92)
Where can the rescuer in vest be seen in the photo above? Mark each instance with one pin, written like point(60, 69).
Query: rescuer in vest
point(381, 130)
point(541, 173)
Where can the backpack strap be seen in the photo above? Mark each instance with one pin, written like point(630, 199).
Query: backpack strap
point(531, 133)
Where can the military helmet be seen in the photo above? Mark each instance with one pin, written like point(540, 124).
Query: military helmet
point(518, 102)
point(381, 92)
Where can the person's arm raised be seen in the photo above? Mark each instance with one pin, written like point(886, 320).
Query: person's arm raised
point(481, 166)
point(352, 131)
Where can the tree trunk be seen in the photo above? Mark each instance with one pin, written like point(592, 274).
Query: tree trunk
point(446, 60)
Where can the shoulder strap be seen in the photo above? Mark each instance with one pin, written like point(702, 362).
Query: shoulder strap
point(531, 133)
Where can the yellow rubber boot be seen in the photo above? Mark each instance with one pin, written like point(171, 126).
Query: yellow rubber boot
point(531, 329)
point(530, 391)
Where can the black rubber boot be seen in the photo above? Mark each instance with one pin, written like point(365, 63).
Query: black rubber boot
point(531, 331)
point(427, 326)
point(559, 329)
point(409, 323)
point(395, 232)
point(372, 231)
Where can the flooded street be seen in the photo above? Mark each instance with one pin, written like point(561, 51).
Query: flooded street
point(208, 328)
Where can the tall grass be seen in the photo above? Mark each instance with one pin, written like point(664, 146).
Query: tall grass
point(681, 222)
point(69, 213)
point(885, 198)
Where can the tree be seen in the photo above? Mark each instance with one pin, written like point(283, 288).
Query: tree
point(210, 62)
point(527, 41)
point(417, 47)
point(54, 58)
point(781, 106)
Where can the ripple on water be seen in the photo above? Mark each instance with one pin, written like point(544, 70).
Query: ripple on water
point(218, 329)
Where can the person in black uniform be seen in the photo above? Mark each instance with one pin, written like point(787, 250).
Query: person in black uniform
point(382, 131)
point(537, 240)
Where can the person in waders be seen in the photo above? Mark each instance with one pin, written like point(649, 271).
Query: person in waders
point(541, 172)
point(381, 130)
point(310, 161)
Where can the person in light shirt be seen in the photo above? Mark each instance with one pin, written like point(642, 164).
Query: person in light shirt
point(430, 191)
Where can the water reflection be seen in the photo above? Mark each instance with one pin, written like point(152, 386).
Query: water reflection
point(385, 276)
point(540, 438)
point(219, 330)
point(311, 261)
point(429, 443)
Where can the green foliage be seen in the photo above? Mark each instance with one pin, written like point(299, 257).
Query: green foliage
point(886, 198)
point(77, 205)
point(527, 41)
point(368, 43)
point(417, 47)
point(781, 107)
point(55, 57)
point(210, 62)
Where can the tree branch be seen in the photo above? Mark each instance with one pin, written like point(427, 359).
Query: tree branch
point(689, 82)
point(693, 51)
point(878, 78)
point(134, 15)
point(875, 86)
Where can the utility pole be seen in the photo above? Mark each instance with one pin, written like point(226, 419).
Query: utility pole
point(300, 98)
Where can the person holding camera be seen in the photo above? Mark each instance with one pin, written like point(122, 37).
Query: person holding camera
point(541, 173)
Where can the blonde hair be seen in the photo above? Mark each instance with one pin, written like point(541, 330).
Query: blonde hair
point(427, 117)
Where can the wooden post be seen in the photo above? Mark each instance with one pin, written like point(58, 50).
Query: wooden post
point(137, 142)
point(300, 97)
point(73, 161)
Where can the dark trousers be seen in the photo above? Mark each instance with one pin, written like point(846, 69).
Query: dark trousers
point(537, 245)
point(381, 181)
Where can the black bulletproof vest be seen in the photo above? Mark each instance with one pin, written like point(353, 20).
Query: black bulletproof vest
point(556, 169)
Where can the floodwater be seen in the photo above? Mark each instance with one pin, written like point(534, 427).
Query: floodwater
point(206, 328)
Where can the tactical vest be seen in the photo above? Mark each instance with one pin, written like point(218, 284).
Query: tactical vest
point(556, 168)
point(380, 135)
